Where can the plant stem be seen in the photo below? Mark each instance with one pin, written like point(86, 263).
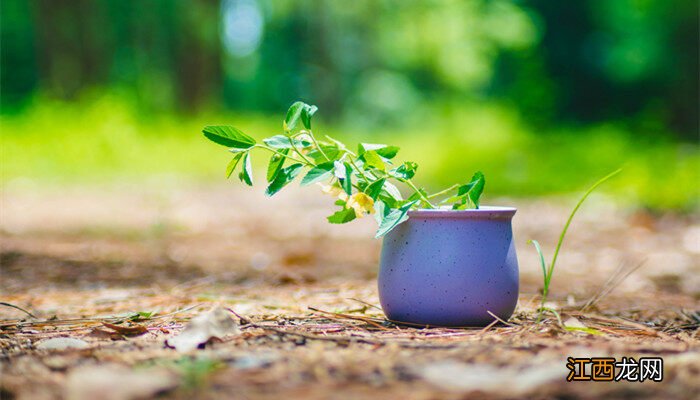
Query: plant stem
point(362, 174)
point(413, 186)
point(545, 289)
point(313, 139)
point(341, 146)
point(440, 193)
point(294, 147)
point(283, 155)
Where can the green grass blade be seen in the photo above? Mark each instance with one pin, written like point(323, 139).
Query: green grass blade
point(571, 217)
point(542, 262)
point(553, 311)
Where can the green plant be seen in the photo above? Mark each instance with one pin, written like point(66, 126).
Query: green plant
point(361, 181)
point(195, 372)
point(548, 271)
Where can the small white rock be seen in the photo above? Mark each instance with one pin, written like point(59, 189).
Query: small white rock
point(216, 323)
point(62, 343)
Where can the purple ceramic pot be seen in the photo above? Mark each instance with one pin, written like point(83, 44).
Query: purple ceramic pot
point(450, 267)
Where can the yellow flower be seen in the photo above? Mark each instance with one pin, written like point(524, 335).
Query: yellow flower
point(361, 203)
point(334, 191)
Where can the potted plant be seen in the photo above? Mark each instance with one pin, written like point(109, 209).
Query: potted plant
point(446, 260)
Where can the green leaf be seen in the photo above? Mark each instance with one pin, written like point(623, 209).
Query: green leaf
point(246, 174)
point(543, 263)
point(453, 199)
point(388, 152)
point(346, 182)
point(373, 160)
point(363, 181)
point(233, 164)
point(471, 192)
point(332, 152)
point(363, 147)
point(342, 216)
point(392, 191)
point(390, 195)
point(391, 217)
point(380, 211)
point(285, 142)
point(228, 136)
point(383, 150)
point(275, 165)
point(306, 113)
point(389, 201)
point(406, 170)
point(461, 205)
point(318, 173)
point(293, 115)
point(286, 175)
point(338, 143)
point(375, 188)
point(141, 316)
point(299, 111)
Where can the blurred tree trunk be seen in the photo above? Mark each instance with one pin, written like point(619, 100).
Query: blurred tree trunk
point(71, 48)
point(326, 78)
point(76, 43)
point(198, 54)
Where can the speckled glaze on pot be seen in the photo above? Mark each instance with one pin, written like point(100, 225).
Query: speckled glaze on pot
point(450, 267)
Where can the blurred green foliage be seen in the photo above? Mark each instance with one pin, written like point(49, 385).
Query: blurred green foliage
point(542, 96)
point(635, 61)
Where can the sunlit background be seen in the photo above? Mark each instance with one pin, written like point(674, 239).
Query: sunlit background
point(543, 96)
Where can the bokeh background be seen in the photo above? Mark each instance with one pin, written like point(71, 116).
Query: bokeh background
point(543, 96)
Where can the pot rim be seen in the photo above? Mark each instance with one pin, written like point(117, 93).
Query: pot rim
point(483, 212)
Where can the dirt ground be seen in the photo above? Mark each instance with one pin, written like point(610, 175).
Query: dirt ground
point(84, 261)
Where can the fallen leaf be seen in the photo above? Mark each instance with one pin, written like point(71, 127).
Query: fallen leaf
point(62, 343)
point(213, 324)
point(99, 333)
point(133, 330)
point(116, 382)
